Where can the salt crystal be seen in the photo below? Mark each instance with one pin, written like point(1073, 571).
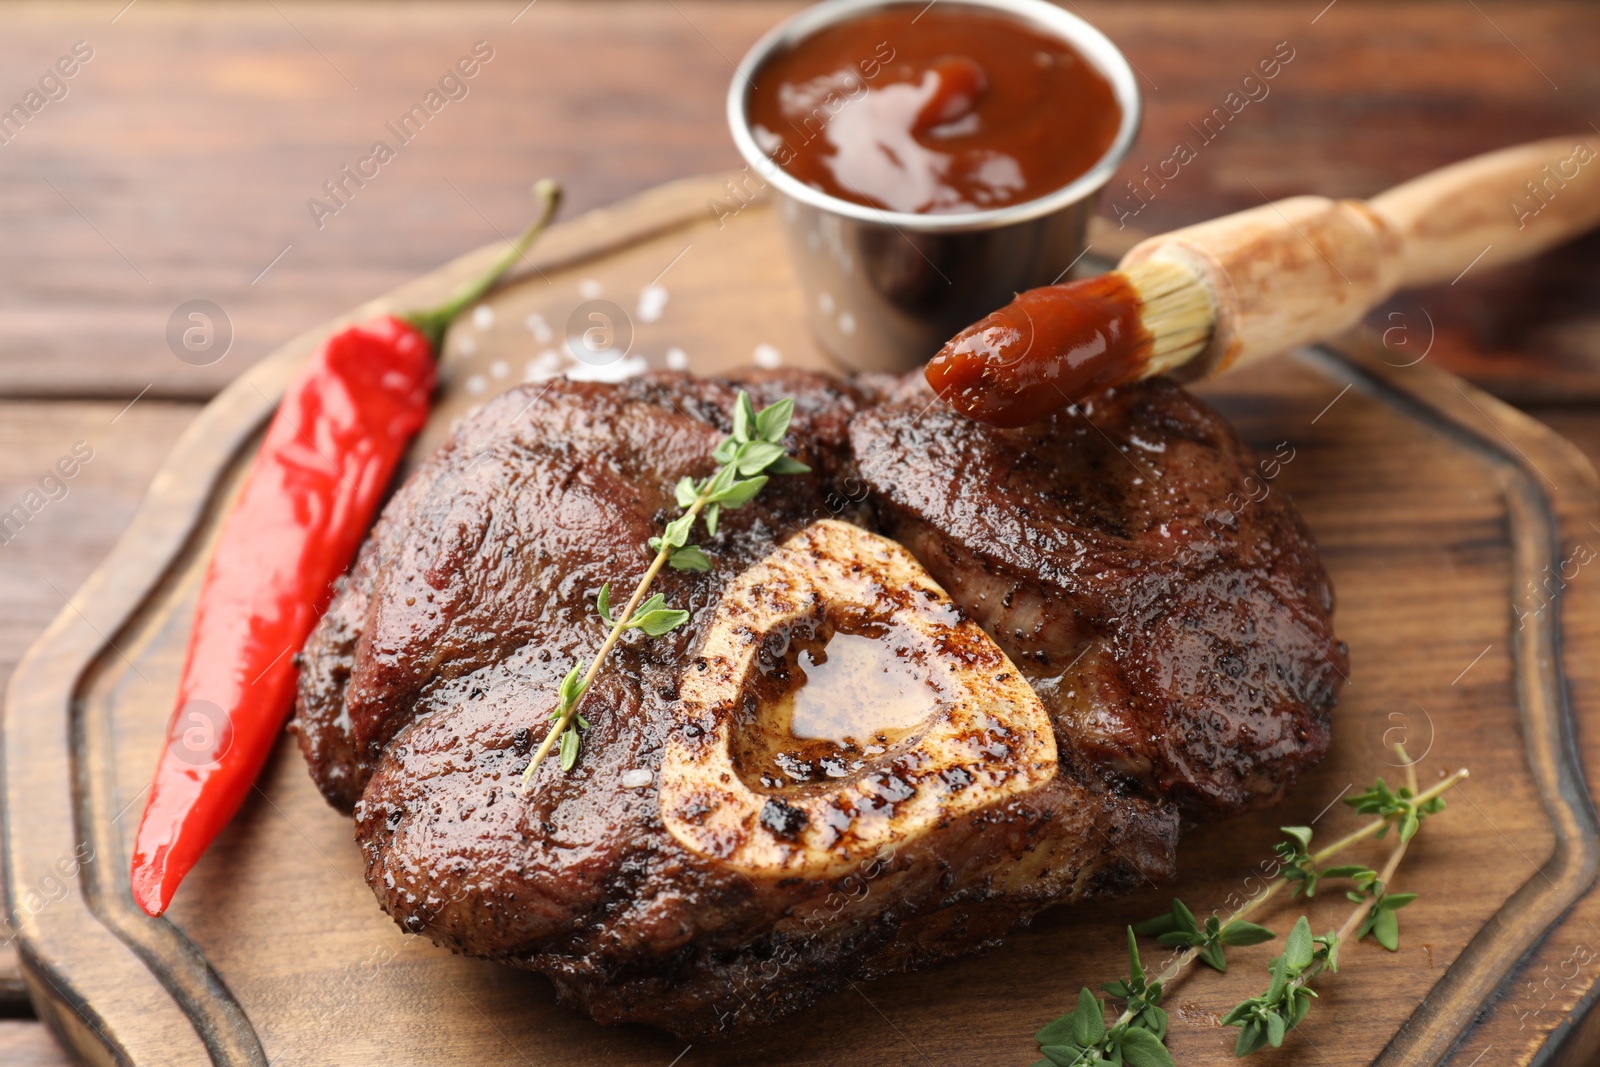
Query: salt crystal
point(652, 301)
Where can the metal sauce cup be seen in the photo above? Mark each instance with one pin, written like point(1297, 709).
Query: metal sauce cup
point(886, 289)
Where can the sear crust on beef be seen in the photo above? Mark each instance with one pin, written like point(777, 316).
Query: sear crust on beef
point(1182, 633)
point(1183, 653)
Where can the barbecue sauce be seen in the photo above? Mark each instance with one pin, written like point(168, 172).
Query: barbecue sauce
point(1044, 351)
point(933, 109)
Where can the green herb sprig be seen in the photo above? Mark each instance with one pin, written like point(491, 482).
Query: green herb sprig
point(1180, 927)
point(1300, 867)
point(1137, 1037)
point(747, 458)
point(1265, 1019)
point(1402, 805)
point(1074, 1040)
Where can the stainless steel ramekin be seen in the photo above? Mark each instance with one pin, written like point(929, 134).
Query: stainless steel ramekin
point(885, 289)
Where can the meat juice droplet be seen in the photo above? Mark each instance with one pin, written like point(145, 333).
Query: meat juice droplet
point(1046, 350)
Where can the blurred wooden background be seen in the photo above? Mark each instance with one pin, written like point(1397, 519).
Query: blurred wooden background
point(176, 163)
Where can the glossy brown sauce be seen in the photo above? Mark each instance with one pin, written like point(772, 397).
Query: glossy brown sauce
point(857, 690)
point(1044, 351)
point(933, 110)
point(841, 694)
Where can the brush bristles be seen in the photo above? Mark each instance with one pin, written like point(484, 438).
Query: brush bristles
point(1177, 312)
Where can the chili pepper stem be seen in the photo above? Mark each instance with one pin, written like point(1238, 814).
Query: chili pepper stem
point(560, 725)
point(433, 322)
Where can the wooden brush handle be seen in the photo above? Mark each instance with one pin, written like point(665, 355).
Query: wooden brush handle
point(1299, 270)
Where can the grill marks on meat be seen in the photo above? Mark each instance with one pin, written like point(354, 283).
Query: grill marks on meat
point(1186, 644)
point(1186, 667)
point(480, 575)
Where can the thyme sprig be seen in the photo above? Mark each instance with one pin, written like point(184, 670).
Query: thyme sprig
point(1180, 927)
point(1265, 1019)
point(747, 458)
point(1137, 1036)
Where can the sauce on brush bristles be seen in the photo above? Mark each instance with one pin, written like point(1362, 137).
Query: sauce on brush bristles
point(1053, 346)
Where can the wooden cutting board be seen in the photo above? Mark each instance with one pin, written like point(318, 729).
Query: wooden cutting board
point(1459, 536)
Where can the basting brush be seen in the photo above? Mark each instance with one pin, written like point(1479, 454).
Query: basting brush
point(1226, 293)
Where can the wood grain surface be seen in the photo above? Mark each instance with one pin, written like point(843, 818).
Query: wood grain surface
point(1417, 488)
point(191, 141)
point(43, 563)
point(27, 1044)
point(180, 163)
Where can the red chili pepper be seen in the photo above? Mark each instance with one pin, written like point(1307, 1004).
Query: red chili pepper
point(327, 458)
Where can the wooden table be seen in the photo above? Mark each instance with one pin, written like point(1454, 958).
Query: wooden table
point(179, 164)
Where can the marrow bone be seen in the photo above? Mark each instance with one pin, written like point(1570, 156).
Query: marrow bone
point(945, 729)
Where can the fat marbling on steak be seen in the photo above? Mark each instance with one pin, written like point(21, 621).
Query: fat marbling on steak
point(701, 869)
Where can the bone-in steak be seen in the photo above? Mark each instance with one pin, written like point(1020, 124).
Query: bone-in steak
point(1180, 630)
point(708, 864)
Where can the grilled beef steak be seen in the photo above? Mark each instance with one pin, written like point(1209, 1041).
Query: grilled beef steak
point(724, 852)
point(1180, 633)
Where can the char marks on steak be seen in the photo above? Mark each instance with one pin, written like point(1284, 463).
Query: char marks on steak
point(1184, 656)
point(1181, 633)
